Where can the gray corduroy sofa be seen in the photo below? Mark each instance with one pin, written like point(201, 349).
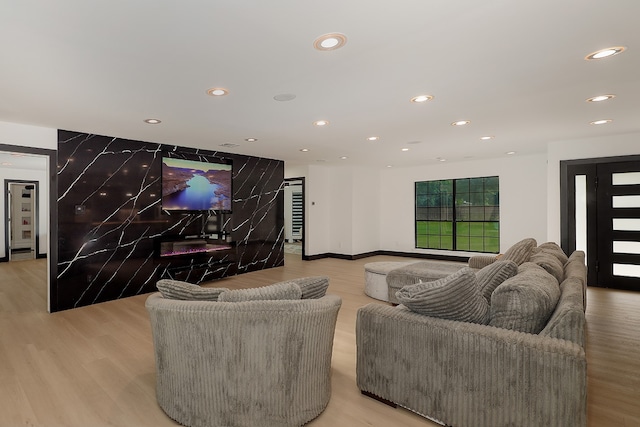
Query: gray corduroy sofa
point(250, 357)
point(482, 373)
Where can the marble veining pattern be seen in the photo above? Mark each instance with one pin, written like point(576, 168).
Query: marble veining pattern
point(110, 219)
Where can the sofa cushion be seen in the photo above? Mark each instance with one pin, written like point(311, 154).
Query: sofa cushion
point(311, 287)
point(567, 320)
point(525, 301)
point(455, 297)
point(278, 291)
point(491, 276)
point(555, 250)
point(422, 271)
point(550, 263)
point(520, 251)
point(176, 289)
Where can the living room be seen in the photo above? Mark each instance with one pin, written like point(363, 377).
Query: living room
point(359, 193)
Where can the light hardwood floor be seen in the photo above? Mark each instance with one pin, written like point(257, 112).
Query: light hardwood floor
point(94, 366)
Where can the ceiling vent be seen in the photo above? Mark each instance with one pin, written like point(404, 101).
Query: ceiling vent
point(229, 145)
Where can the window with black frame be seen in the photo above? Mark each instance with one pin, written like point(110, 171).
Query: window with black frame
point(458, 214)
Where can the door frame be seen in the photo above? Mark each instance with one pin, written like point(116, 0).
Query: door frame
point(568, 170)
point(287, 181)
point(36, 228)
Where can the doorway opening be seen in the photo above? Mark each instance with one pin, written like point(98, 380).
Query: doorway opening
point(294, 223)
point(19, 167)
point(22, 220)
point(600, 214)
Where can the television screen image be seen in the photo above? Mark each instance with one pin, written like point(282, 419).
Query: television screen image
point(189, 185)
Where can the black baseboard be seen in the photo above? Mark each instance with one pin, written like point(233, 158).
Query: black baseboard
point(389, 253)
point(39, 256)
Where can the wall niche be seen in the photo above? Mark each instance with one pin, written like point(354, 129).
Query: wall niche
point(111, 225)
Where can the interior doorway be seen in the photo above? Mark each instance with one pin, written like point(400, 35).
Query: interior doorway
point(601, 215)
point(294, 223)
point(22, 219)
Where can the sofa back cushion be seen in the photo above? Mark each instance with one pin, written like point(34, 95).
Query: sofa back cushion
point(525, 301)
point(176, 289)
point(520, 251)
point(455, 297)
point(278, 291)
point(491, 276)
point(550, 263)
point(555, 250)
point(567, 321)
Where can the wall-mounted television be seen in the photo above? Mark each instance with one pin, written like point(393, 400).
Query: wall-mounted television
point(192, 185)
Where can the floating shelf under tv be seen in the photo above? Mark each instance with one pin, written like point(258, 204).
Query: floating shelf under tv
point(169, 248)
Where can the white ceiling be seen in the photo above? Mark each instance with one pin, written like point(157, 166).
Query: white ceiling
point(515, 68)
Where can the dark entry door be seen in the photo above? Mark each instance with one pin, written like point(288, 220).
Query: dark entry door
point(618, 225)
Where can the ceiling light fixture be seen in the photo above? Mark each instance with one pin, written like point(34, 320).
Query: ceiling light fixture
point(217, 91)
point(373, 138)
point(405, 149)
point(421, 98)
point(460, 123)
point(486, 138)
point(152, 121)
point(321, 122)
point(510, 153)
point(343, 158)
point(330, 41)
point(601, 122)
point(251, 139)
point(605, 53)
point(304, 150)
point(600, 98)
point(283, 97)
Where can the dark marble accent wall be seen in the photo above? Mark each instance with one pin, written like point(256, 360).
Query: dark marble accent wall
point(110, 219)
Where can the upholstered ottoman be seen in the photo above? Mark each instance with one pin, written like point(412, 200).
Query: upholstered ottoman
point(425, 271)
point(375, 278)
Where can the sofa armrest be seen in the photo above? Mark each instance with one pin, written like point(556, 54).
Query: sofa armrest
point(468, 374)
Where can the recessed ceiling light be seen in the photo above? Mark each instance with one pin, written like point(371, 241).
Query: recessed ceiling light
point(343, 158)
point(605, 53)
point(600, 98)
point(217, 91)
point(6, 164)
point(373, 138)
point(321, 122)
point(405, 149)
point(601, 122)
point(152, 121)
point(389, 166)
point(283, 97)
point(510, 153)
point(460, 123)
point(486, 138)
point(304, 150)
point(440, 159)
point(421, 98)
point(251, 139)
point(330, 41)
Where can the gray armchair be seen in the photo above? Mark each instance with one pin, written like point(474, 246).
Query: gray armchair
point(243, 363)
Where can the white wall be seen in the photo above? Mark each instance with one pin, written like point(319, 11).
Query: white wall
point(588, 148)
point(28, 136)
point(523, 199)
